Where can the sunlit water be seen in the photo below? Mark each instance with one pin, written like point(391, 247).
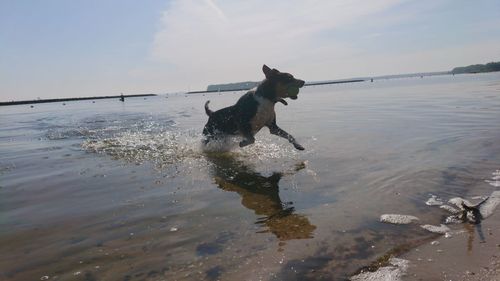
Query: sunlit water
point(124, 191)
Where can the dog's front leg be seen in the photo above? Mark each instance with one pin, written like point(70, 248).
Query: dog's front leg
point(275, 130)
point(246, 131)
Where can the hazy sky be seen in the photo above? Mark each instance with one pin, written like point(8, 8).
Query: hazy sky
point(68, 48)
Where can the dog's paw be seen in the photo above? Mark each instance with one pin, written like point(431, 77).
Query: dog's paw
point(245, 143)
point(298, 146)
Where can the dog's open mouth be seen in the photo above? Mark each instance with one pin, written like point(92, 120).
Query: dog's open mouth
point(293, 92)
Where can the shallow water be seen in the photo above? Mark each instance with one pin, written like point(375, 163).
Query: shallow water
point(123, 191)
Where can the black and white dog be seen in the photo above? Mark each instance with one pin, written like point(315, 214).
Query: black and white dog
point(254, 110)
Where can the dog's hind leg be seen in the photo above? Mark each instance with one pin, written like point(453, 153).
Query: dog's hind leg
point(275, 130)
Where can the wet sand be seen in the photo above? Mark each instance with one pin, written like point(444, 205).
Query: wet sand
point(464, 256)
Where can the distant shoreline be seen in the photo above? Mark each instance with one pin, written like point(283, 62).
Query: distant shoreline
point(307, 84)
point(458, 70)
point(71, 99)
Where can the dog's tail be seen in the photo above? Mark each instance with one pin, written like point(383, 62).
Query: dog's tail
point(207, 110)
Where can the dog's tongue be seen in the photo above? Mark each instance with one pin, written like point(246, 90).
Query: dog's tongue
point(283, 101)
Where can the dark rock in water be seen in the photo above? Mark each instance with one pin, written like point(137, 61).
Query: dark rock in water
point(472, 214)
point(469, 212)
point(208, 249)
point(214, 273)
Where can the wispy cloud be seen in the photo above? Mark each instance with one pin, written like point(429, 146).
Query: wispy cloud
point(178, 45)
point(229, 40)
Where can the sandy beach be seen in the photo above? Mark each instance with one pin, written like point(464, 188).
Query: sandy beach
point(460, 256)
point(464, 256)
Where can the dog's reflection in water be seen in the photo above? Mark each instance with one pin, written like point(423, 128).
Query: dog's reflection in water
point(261, 195)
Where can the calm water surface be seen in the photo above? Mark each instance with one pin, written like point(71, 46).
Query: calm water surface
point(122, 191)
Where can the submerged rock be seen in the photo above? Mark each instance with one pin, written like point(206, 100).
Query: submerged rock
point(490, 204)
point(394, 272)
point(475, 213)
point(397, 219)
point(442, 229)
point(449, 209)
point(459, 202)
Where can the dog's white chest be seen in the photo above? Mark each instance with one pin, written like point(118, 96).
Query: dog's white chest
point(265, 114)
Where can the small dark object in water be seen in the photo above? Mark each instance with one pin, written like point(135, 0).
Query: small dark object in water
point(471, 213)
point(208, 249)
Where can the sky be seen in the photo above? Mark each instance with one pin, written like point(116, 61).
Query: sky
point(61, 48)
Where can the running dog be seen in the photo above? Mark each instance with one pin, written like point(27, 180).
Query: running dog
point(254, 110)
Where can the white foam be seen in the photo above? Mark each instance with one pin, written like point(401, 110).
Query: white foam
point(495, 179)
point(394, 272)
point(442, 229)
point(449, 209)
point(452, 220)
point(397, 219)
point(458, 201)
point(495, 182)
point(488, 207)
point(434, 201)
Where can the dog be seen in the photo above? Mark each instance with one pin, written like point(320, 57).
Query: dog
point(254, 110)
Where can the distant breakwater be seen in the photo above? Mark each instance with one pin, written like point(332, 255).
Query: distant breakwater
point(334, 82)
point(72, 99)
point(307, 84)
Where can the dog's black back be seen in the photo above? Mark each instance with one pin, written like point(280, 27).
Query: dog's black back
point(229, 119)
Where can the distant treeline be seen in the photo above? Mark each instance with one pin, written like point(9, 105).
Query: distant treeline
point(477, 68)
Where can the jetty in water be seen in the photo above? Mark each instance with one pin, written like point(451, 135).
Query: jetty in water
point(236, 89)
point(73, 99)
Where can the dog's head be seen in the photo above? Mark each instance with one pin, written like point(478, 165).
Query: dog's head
point(285, 85)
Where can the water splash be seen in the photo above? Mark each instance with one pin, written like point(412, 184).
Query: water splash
point(160, 148)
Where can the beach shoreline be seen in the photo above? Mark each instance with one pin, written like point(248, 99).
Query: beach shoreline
point(461, 256)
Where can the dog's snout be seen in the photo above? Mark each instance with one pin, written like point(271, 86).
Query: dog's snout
point(301, 83)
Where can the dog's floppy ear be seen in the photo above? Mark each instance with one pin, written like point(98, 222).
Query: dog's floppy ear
point(268, 72)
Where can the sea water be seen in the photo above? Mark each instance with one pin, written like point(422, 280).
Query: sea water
point(124, 191)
